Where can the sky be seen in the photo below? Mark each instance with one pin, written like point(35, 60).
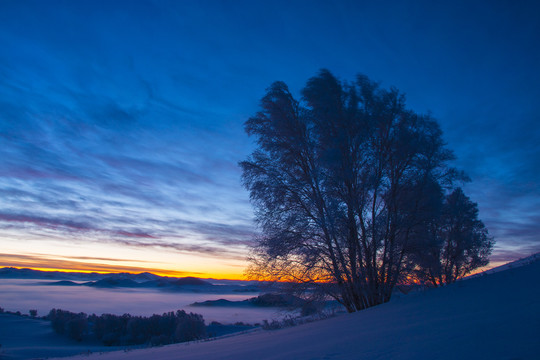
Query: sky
point(121, 122)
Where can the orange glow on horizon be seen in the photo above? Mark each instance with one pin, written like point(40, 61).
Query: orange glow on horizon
point(134, 262)
point(159, 272)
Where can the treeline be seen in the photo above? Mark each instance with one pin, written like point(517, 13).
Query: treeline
point(171, 327)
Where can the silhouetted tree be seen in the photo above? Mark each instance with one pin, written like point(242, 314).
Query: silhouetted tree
point(339, 182)
point(189, 327)
point(455, 244)
point(65, 322)
point(111, 329)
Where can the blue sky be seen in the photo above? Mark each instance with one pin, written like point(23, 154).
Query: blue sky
point(121, 122)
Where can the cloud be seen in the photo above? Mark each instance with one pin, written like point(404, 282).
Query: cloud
point(105, 170)
point(504, 255)
point(73, 263)
point(202, 238)
point(193, 247)
point(67, 225)
point(41, 257)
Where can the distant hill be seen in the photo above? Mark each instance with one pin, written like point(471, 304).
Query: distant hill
point(221, 303)
point(191, 281)
point(104, 280)
point(114, 282)
point(14, 273)
point(264, 300)
point(64, 283)
point(128, 280)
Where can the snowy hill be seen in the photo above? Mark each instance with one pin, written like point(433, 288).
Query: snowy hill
point(494, 316)
point(514, 264)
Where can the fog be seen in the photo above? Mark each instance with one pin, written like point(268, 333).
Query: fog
point(23, 295)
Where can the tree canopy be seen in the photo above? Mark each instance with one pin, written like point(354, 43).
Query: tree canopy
point(343, 181)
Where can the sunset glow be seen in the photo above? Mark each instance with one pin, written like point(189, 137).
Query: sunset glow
point(121, 259)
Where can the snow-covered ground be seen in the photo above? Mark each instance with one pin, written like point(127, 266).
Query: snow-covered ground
point(491, 316)
point(517, 263)
point(25, 338)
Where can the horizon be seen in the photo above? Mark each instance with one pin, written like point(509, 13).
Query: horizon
point(121, 127)
point(157, 272)
point(183, 275)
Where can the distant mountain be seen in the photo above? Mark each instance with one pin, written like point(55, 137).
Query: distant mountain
point(222, 303)
point(64, 283)
point(140, 277)
point(127, 280)
point(112, 282)
point(192, 281)
point(13, 273)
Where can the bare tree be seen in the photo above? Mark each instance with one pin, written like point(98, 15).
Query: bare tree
point(339, 182)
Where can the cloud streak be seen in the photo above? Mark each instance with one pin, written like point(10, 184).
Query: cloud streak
point(72, 263)
point(62, 224)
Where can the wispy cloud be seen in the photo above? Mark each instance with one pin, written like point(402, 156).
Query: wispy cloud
point(189, 237)
point(43, 257)
point(66, 225)
point(75, 263)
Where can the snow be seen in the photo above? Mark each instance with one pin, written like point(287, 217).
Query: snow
point(26, 338)
point(491, 316)
point(517, 263)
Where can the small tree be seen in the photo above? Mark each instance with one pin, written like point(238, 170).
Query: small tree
point(456, 242)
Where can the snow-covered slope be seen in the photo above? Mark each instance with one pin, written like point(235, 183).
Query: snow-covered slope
point(514, 264)
point(494, 316)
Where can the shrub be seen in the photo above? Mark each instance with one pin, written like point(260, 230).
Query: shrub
point(274, 325)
